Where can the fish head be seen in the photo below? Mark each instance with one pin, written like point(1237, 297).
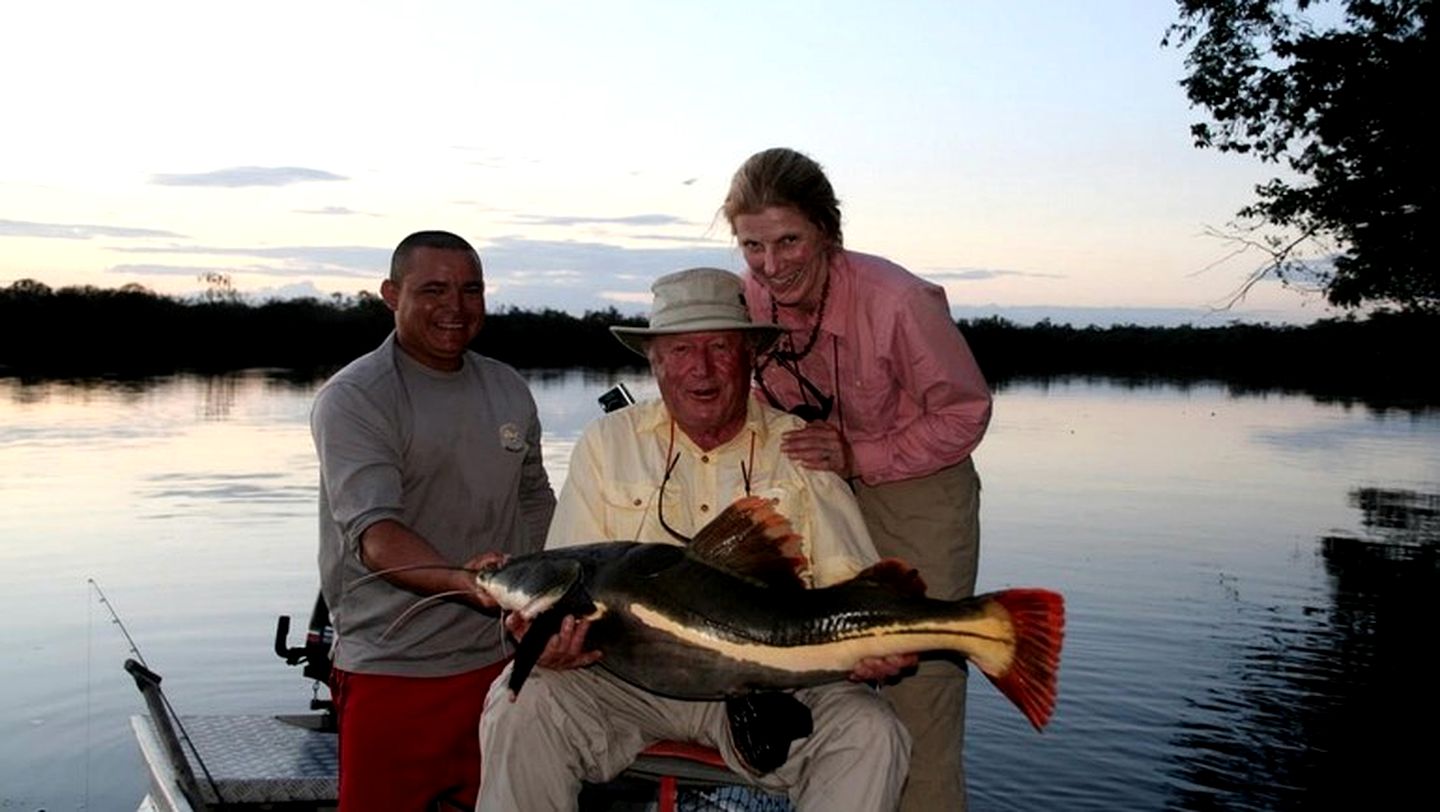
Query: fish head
point(529, 584)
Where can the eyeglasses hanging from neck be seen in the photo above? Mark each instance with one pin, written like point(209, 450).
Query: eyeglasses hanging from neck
point(672, 458)
point(815, 404)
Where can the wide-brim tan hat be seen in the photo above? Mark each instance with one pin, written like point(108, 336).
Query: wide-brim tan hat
point(695, 301)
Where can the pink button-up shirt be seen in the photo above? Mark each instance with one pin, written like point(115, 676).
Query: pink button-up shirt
point(909, 396)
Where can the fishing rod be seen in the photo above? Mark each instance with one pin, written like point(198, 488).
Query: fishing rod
point(115, 618)
point(154, 678)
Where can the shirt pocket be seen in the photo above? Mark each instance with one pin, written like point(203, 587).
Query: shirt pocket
point(628, 506)
point(871, 404)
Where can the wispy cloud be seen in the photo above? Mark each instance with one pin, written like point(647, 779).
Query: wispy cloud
point(672, 238)
point(334, 210)
point(289, 261)
point(978, 274)
point(626, 297)
point(76, 231)
point(338, 254)
point(237, 176)
point(1027, 315)
point(195, 271)
point(515, 260)
point(582, 276)
point(484, 158)
point(597, 260)
point(250, 269)
point(577, 220)
point(564, 274)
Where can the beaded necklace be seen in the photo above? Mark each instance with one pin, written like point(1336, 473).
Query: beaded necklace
point(792, 354)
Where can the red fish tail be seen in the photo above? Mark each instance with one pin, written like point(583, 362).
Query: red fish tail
point(1038, 618)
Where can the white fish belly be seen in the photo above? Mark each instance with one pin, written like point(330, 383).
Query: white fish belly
point(987, 639)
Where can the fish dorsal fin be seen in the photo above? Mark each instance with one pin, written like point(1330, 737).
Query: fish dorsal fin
point(894, 574)
point(751, 540)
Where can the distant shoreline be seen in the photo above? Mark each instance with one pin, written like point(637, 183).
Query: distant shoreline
point(129, 332)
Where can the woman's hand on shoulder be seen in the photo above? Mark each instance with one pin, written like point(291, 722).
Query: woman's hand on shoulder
point(818, 446)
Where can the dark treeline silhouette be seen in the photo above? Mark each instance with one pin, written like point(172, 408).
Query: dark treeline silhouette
point(130, 331)
point(1383, 360)
point(87, 331)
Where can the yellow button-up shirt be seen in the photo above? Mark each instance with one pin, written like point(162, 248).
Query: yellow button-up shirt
point(612, 492)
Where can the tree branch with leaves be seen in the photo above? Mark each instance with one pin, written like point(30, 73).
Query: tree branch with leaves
point(1339, 92)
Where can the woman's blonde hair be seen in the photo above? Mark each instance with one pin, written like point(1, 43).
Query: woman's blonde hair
point(784, 177)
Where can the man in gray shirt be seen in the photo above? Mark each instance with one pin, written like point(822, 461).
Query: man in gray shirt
point(429, 461)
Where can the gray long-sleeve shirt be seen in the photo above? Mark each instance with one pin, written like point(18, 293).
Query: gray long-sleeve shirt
point(455, 457)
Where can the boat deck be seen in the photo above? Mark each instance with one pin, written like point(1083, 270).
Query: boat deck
point(243, 762)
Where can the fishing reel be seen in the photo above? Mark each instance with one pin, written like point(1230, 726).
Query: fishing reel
point(314, 655)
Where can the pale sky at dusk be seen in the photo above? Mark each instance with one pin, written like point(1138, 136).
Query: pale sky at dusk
point(1022, 154)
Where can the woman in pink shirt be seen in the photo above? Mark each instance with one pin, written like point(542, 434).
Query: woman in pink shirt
point(895, 403)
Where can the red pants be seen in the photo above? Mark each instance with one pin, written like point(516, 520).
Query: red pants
point(407, 741)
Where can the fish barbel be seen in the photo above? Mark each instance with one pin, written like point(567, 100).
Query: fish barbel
point(728, 615)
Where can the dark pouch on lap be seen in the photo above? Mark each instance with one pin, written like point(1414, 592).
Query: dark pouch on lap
point(763, 725)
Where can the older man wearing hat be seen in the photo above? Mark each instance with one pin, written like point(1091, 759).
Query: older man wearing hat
point(658, 471)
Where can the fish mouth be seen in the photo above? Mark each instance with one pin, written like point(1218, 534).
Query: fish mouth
point(526, 604)
point(527, 591)
point(536, 606)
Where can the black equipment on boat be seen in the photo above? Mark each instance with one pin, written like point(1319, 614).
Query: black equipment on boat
point(616, 397)
point(314, 655)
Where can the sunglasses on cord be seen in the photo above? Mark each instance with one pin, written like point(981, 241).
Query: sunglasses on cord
point(806, 410)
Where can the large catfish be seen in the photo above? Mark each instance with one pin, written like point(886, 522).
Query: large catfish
point(728, 615)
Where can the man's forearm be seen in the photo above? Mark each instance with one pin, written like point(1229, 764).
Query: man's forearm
point(407, 560)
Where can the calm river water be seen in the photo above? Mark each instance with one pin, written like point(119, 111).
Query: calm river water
point(1250, 583)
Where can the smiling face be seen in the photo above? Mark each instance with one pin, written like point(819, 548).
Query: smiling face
point(786, 252)
point(439, 305)
point(704, 379)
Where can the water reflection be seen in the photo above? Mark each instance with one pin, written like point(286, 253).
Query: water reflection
point(1245, 621)
point(1408, 520)
point(1375, 401)
point(25, 390)
point(1324, 702)
point(217, 397)
point(30, 390)
point(223, 488)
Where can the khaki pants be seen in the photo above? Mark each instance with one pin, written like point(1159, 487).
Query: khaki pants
point(566, 727)
point(933, 523)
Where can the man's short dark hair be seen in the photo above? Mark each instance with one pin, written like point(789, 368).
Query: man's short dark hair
point(442, 240)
